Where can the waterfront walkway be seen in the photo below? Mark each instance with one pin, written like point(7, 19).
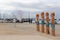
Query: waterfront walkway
point(24, 31)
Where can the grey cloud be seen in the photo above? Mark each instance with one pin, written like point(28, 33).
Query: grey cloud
point(34, 5)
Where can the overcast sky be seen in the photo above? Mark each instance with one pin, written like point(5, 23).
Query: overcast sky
point(27, 5)
point(30, 5)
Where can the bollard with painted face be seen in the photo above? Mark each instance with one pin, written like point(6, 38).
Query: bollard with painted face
point(42, 22)
point(47, 23)
point(52, 24)
point(37, 22)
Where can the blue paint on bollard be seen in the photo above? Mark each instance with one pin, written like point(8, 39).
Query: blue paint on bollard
point(37, 22)
point(47, 24)
point(53, 26)
point(42, 22)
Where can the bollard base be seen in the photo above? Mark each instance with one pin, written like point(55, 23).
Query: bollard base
point(42, 28)
point(53, 33)
point(47, 30)
point(37, 28)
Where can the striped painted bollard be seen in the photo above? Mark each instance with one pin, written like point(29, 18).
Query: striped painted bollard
point(52, 24)
point(42, 22)
point(37, 22)
point(47, 23)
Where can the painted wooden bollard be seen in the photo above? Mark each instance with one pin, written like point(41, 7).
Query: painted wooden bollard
point(42, 22)
point(52, 24)
point(37, 22)
point(47, 23)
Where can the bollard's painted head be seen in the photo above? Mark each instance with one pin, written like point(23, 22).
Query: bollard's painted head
point(52, 14)
point(47, 14)
point(37, 15)
point(47, 17)
point(52, 17)
point(42, 14)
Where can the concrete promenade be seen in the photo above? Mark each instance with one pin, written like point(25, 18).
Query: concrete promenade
point(24, 31)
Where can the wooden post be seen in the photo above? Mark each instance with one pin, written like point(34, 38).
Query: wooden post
point(37, 22)
point(52, 24)
point(47, 23)
point(42, 22)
